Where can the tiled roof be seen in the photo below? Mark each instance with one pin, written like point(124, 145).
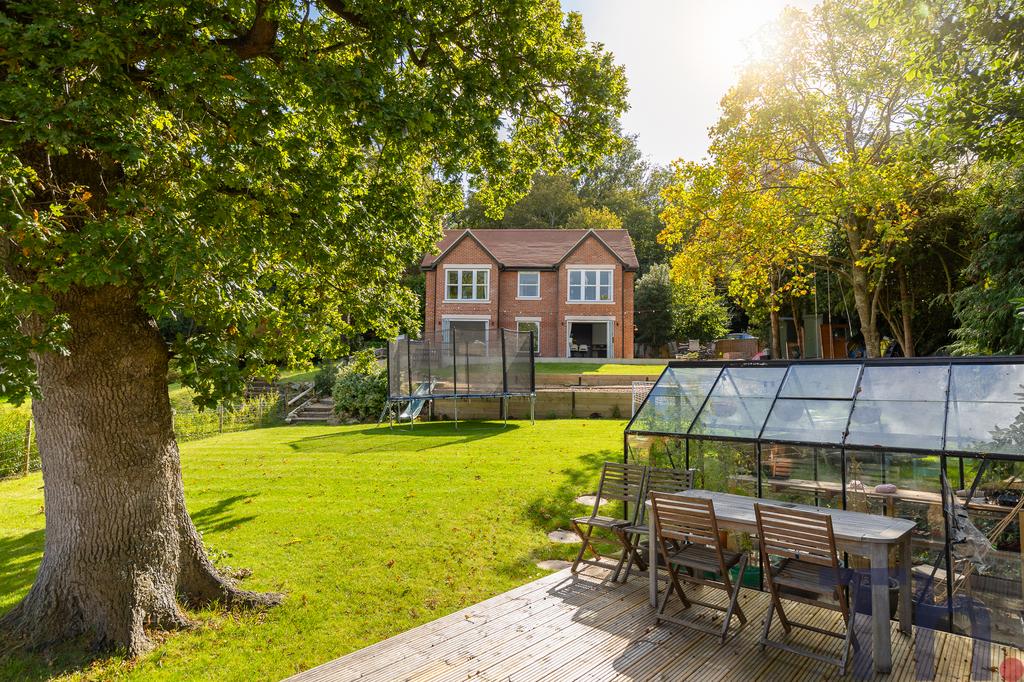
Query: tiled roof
point(540, 248)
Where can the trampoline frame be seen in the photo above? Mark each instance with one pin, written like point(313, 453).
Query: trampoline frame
point(399, 398)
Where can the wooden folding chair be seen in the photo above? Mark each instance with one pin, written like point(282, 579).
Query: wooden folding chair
point(809, 573)
point(662, 480)
point(621, 482)
point(691, 523)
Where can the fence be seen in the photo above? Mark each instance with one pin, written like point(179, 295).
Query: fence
point(251, 413)
point(19, 453)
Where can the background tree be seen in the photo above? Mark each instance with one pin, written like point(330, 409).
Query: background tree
point(619, 190)
point(265, 169)
point(588, 218)
point(993, 281)
point(813, 156)
point(969, 53)
point(654, 307)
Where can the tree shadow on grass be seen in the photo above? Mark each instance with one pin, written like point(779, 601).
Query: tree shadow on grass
point(385, 438)
point(555, 508)
point(18, 567)
point(219, 516)
point(19, 561)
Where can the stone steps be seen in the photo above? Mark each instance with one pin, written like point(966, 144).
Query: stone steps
point(320, 411)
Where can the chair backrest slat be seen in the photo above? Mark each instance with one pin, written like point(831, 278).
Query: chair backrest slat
point(621, 482)
point(665, 480)
point(796, 534)
point(685, 518)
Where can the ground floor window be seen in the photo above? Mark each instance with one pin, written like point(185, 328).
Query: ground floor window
point(529, 325)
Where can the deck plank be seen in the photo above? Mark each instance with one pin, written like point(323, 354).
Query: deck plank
point(584, 629)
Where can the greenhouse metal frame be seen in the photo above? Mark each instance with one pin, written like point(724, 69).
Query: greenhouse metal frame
point(838, 432)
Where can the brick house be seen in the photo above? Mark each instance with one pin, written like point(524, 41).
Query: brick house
point(573, 288)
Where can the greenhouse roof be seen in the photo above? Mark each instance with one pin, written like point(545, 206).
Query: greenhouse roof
point(953, 405)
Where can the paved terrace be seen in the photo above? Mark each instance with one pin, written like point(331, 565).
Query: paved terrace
point(562, 628)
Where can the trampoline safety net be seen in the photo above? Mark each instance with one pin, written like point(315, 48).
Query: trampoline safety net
point(461, 363)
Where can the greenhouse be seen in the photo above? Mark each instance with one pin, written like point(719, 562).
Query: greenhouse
point(939, 441)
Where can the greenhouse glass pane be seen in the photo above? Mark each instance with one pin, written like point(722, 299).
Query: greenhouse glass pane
point(740, 402)
point(808, 421)
point(900, 406)
point(660, 451)
point(725, 467)
point(917, 498)
point(887, 423)
point(802, 474)
point(820, 381)
point(904, 382)
point(675, 399)
point(995, 584)
point(986, 409)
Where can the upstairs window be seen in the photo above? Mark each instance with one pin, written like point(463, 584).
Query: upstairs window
point(590, 286)
point(529, 285)
point(467, 284)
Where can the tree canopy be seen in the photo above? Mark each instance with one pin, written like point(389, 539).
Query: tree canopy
point(267, 171)
point(813, 166)
point(264, 170)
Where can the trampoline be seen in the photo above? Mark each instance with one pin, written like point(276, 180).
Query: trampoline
point(939, 441)
point(459, 364)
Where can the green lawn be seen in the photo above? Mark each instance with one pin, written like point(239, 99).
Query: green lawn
point(602, 368)
point(369, 532)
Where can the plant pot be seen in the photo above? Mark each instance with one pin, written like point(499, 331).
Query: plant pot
point(751, 576)
point(864, 596)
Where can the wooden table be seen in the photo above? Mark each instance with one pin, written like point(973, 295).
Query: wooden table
point(867, 535)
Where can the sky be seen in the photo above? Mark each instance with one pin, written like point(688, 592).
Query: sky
point(680, 56)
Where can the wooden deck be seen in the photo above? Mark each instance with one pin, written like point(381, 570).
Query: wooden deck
point(563, 628)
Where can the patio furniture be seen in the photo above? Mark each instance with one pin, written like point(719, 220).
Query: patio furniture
point(662, 480)
point(692, 524)
point(621, 482)
point(867, 535)
point(809, 573)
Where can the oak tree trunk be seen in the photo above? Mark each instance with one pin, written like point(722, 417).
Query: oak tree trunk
point(120, 552)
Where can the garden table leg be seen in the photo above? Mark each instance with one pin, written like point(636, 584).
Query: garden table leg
point(906, 585)
point(881, 645)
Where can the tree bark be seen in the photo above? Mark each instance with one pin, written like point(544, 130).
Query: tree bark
point(120, 548)
point(863, 298)
point(906, 311)
point(773, 319)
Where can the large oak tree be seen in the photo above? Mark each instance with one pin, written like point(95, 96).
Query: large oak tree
point(265, 169)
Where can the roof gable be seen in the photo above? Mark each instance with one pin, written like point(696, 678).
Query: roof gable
point(539, 248)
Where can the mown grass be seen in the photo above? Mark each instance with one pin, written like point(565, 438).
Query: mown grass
point(602, 368)
point(369, 532)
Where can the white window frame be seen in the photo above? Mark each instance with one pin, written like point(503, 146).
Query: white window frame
point(536, 321)
point(475, 269)
point(583, 269)
point(610, 320)
point(519, 285)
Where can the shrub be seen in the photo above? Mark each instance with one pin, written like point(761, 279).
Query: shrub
point(361, 388)
point(323, 380)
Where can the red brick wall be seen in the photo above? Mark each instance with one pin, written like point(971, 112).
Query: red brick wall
point(512, 307)
point(593, 252)
point(466, 252)
point(552, 306)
